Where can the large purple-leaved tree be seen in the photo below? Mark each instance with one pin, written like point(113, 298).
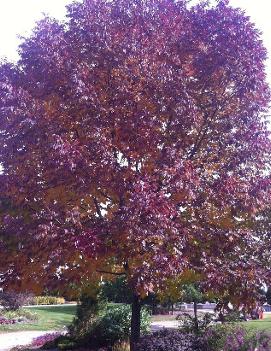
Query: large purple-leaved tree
point(134, 141)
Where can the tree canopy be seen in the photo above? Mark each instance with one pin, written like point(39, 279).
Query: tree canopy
point(134, 140)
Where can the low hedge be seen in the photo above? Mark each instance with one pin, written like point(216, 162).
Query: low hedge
point(48, 300)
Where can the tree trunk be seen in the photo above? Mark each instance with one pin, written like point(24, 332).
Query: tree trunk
point(153, 308)
point(196, 317)
point(135, 322)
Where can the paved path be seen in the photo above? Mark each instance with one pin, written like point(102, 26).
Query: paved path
point(10, 340)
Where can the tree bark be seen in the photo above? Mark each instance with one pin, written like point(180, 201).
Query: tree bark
point(135, 322)
point(196, 317)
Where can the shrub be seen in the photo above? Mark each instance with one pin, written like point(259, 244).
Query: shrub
point(121, 346)
point(45, 339)
point(86, 316)
point(190, 324)
point(231, 316)
point(19, 314)
point(241, 340)
point(215, 336)
point(12, 301)
point(165, 340)
point(48, 300)
point(100, 325)
point(64, 343)
point(115, 324)
point(231, 337)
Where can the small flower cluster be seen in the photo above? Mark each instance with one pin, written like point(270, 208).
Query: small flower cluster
point(44, 339)
point(5, 321)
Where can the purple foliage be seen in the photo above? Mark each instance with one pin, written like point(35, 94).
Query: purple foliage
point(6, 321)
point(155, 109)
point(165, 340)
point(235, 341)
point(240, 341)
point(13, 301)
point(44, 339)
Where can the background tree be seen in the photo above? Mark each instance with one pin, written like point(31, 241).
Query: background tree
point(192, 293)
point(268, 296)
point(133, 139)
point(117, 291)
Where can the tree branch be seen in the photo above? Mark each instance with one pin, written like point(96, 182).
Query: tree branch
point(97, 207)
point(112, 273)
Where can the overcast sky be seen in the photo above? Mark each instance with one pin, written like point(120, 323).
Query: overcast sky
point(17, 17)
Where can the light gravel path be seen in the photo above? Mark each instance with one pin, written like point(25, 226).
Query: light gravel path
point(155, 326)
point(10, 340)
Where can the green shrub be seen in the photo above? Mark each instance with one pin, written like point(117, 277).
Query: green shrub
point(115, 324)
point(62, 343)
point(101, 325)
point(48, 300)
point(189, 324)
point(233, 316)
point(87, 314)
point(67, 345)
point(21, 313)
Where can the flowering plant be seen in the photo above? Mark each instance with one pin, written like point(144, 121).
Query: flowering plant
point(242, 341)
point(44, 339)
point(6, 321)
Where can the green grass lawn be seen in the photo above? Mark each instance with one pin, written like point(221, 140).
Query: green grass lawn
point(258, 325)
point(49, 318)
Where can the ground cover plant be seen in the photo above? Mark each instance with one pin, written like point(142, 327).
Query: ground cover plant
point(20, 316)
point(166, 340)
point(134, 143)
